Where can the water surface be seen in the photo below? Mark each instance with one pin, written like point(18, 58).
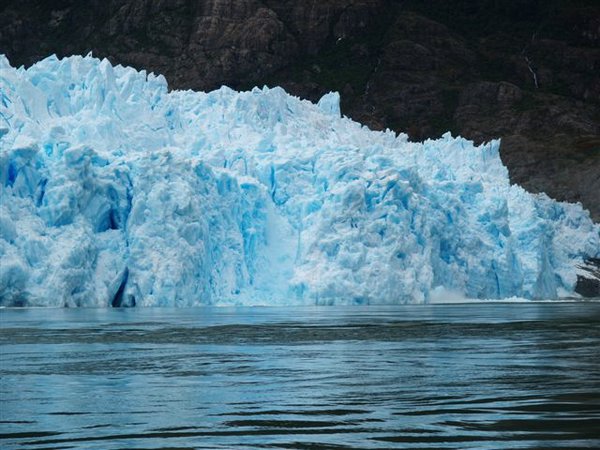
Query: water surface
point(470, 376)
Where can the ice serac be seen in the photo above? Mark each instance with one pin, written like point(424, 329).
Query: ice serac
point(117, 192)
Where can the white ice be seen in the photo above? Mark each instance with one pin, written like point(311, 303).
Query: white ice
point(116, 191)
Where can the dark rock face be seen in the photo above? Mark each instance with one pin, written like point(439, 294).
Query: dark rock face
point(523, 70)
point(589, 286)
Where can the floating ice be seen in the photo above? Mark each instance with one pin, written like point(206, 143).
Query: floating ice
point(115, 191)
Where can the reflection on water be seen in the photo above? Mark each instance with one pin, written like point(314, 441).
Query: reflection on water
point(429, 377)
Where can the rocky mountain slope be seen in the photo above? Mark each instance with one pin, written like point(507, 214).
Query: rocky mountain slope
point(523, 70)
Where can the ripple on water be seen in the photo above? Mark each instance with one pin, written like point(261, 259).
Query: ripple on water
point(442, 376)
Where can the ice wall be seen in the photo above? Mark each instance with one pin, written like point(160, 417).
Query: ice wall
point(115, 191)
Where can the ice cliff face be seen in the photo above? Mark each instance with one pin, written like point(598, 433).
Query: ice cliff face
point(115, 191)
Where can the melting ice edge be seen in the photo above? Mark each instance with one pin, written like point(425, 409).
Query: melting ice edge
point(115, 191)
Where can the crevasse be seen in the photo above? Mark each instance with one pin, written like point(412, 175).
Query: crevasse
point(115, 191)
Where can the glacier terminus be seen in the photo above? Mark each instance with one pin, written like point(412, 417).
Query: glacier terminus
point(116, 191)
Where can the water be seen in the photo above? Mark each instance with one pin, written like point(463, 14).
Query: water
point(430, 377)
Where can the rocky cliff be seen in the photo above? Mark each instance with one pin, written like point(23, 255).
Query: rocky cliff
point(523, 70)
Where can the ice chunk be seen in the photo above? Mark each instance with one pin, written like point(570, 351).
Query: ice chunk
point(114, 191)
point(330, 104)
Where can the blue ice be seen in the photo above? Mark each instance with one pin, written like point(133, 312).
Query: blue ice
point(116, 191)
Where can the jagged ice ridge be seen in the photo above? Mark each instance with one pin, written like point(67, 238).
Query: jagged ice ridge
point(115, 191)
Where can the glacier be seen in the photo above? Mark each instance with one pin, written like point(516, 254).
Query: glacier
point(115, 191)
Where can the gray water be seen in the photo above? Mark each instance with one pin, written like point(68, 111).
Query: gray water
point(480, 376)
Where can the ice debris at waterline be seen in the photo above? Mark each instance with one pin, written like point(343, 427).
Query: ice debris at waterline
point(116, 191)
